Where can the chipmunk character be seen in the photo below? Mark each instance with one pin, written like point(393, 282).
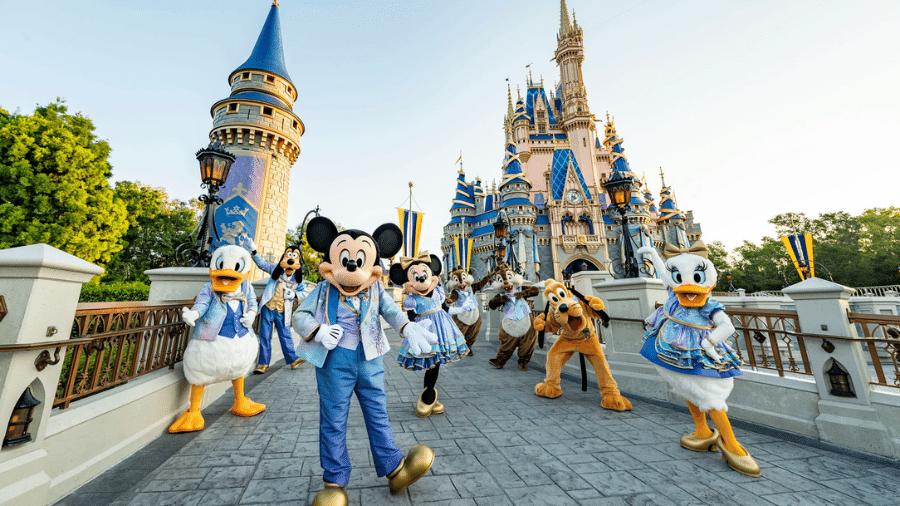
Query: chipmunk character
point(685, 340)
point(278, 303)
point(340, 326)
point(222, 346)
point(574, 317)
point(463, 306)
point(516, 332)
point(423, 302)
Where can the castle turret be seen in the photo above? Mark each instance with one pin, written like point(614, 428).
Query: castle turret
point(671, 220)
point(257, 124)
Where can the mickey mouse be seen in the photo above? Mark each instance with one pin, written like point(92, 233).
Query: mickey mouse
point(424, 301)
point(342, 336)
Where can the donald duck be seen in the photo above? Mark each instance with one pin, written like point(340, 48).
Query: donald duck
point(222, 346)
point(685, 340)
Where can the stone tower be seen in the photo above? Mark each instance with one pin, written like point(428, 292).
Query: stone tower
point(257, 124)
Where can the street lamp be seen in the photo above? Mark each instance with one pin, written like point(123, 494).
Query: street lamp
point(17, 430)
point(501, 231)
point(618, 187)
point(215, 164)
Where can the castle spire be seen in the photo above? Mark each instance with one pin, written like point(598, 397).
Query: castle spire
point(509, 103)
point(565, 26)
point(268, 53)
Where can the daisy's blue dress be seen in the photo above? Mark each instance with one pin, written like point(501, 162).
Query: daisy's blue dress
point(673, 340)
point(451, 345)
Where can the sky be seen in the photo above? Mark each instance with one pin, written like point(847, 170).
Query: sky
point(752, 107)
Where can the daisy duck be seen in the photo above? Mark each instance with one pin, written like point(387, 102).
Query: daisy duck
point(339, 323)
point(686, 341)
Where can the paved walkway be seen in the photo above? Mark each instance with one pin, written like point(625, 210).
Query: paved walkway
point(497, 444)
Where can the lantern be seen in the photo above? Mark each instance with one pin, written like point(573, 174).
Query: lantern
point(215, 163)
point(501, 230)
point(618, 187)
point(17, 430)
point(839, 381)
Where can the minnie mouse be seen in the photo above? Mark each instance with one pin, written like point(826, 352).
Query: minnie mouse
point(342, 336)
point(424, 301)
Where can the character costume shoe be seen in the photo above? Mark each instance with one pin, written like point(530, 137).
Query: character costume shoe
point(297, 363)
point(417, 462)
point(261, 369)
point(425, 410)
point(332, 495)
point(697, 444)
point(744, 464)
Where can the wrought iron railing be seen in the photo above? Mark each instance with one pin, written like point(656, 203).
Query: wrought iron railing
point(881, 334)
point(114, 342)
point(769, 339)
point(876, 291)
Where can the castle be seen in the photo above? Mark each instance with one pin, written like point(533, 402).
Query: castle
point(551, 190)
point(257, 124)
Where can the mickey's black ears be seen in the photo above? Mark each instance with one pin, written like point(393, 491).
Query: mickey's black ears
point(320, 232)
point(398, 274)
point(435, 265)
point(389, 239)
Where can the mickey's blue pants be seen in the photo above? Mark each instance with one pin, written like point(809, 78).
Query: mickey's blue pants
point(345, 372)
point(267, 318)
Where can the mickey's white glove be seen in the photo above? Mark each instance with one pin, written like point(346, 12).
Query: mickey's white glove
point(329, 335)
point(419, 337)
point(247, 319)
point(189, 316)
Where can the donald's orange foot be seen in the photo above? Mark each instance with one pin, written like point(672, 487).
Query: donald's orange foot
point(245, 406)
point(189, 421)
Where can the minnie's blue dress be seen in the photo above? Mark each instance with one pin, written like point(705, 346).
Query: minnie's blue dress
point(673, 340)
point(451, 345)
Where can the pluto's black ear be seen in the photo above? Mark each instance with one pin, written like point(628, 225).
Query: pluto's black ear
point(435, 265)
point(320, 233)
point(389, 239)
point(398, 274)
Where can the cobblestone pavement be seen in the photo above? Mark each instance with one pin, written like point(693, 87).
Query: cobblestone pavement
point(497, 444)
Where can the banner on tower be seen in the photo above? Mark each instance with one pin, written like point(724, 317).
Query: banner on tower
point(800, 249)
point(462, 252)
point(236, 219)
point(411, 225)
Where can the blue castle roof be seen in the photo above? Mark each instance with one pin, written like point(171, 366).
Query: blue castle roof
point(559, 170)
point(668, 209)
point(268, 53)
point(512, 169)
point(537, 93)
point(465, 194)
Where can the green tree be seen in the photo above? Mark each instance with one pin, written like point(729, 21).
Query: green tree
point(157, 225)
point(54, 184)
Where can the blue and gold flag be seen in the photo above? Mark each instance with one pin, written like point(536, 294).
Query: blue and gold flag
point(800, 249)
point(411, 225)
point(462, 252)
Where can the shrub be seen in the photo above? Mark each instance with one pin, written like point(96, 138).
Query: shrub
point(115, 291)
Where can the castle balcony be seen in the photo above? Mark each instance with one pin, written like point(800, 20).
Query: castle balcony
point(589, 242)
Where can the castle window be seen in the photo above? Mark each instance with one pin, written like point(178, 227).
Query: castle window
point(270, 79)
point(267, 111)
point(295, 124)
point(289, 89)
point(584, 142)
point(232, 107)
point(245, 75)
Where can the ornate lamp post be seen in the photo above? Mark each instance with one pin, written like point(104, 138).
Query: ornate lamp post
point(302, 239)
point(215, 164)
point(501, 232)
point(618, 187)
point(17, 430)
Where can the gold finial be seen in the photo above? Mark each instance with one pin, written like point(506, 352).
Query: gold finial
point(275, 3)
point(410, 183)
point(662, 176)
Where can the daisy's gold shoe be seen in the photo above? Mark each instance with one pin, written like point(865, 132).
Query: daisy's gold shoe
point(332, 495)
point(696, 444)
point(424, 410)
point(417, 462)
point(297, 363)
point(744, 464)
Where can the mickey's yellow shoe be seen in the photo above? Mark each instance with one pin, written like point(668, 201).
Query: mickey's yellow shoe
point(417, 462)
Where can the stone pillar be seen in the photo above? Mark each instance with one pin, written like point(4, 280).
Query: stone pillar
point(852, 422)
point(41, 286)
point(171, 284)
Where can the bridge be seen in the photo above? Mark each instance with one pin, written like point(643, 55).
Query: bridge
point(818, 406)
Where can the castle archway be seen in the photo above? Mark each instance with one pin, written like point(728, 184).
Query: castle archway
point(579, 265)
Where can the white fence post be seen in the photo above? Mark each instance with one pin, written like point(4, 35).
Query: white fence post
point(41, 286)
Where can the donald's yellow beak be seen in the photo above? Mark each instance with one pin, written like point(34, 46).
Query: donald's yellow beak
point(692, 295)
point(225, 280)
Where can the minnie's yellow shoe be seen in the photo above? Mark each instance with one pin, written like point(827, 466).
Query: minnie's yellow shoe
point(417, 462)
point(425, 410)
point(332, 495)
point(744, 464)
point(696, 444)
